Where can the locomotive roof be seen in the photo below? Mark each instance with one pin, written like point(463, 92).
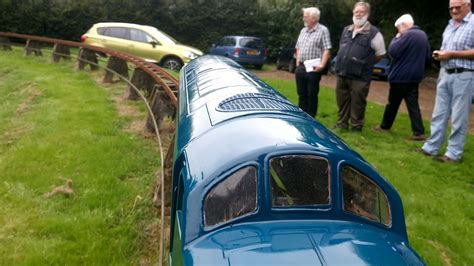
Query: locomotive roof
point(234, 115)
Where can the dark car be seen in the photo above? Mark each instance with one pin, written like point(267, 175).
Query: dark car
point(287, 58)
point(245, 50)
point(379, 71)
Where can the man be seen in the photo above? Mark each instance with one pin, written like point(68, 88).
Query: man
point(361, 46)
point(313, 43)
point(455, 84)
point(409, 50)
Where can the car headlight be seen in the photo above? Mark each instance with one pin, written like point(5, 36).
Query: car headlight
point(190, 55)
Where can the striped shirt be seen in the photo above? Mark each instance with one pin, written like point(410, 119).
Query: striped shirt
point(458, 39)
point(312, 42)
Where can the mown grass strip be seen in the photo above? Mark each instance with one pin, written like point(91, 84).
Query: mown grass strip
point(58, 124)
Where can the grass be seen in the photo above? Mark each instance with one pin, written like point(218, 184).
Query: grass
point(56, 124)
point(438, 198)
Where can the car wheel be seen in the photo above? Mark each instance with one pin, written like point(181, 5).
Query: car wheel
point(292, 66)
point(278, 64)
point(258, 67)
point(172, 63)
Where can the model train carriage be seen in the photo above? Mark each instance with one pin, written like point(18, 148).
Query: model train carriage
point(256, 181)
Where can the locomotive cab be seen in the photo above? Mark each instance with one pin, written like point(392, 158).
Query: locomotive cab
point(256, 181)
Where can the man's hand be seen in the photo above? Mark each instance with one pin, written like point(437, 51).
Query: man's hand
point(441, 55)
point(318, 69)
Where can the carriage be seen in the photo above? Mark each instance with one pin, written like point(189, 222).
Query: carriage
point(256, 181)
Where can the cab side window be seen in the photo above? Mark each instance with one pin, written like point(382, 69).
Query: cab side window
point(363, 197)
point(140, 36)
point(299, 180)
point(233, 197)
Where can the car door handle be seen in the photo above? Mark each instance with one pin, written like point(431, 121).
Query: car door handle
point(104, 40)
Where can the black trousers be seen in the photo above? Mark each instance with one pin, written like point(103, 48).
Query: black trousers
point(307, 86)
point(409, 93)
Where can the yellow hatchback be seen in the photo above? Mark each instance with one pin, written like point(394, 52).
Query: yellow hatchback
point(143, 41)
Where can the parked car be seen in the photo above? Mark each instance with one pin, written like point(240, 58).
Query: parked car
point(379, 71)
point(245, 50)
point(287, 58)
point(143, 41)
point(277, 187)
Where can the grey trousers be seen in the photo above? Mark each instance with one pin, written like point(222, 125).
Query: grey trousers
point(351, 97)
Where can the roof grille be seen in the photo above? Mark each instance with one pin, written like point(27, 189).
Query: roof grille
point(255, 102)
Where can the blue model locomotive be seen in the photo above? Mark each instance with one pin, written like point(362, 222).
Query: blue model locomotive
point(256, 181)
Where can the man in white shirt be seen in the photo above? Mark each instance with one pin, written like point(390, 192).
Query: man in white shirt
point(313, 43)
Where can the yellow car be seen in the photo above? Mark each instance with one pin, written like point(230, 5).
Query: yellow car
point(143, 41)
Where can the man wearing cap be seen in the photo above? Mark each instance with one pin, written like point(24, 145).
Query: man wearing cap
point(455, 84)
point(409, 51)
point(361, 46)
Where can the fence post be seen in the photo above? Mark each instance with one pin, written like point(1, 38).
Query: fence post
point(161, 106)
point(61, 51)
point(116, 64)
point(33, 47)
point(142, 81)
point(5, 43)
point(87, 57)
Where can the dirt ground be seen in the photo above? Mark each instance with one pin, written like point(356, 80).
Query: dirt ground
point(379, 92)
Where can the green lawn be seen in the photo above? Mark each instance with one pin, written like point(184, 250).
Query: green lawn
point(56, 123)
point(438, 198)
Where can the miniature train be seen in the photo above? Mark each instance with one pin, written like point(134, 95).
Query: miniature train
point(256, 181)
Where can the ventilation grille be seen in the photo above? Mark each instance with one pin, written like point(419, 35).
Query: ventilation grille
point(254, 102)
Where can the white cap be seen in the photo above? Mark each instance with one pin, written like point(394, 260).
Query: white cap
point(407, 18)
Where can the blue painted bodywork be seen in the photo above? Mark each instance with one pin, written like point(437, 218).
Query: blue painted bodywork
point(214, 140)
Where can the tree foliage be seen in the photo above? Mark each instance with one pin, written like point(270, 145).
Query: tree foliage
point(202, 22)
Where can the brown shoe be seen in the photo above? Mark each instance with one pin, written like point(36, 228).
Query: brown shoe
point(380, 130)
point(418, 137)
point(420, 150)
point(445, 159)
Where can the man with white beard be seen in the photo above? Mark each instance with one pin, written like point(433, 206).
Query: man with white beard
point(361, 46)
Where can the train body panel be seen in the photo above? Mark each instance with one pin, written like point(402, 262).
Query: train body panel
point(250, 166)
point(323, 242)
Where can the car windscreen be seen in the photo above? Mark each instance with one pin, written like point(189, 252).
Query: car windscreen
point(299, 180)
point(253, 43)
point(163, 37)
